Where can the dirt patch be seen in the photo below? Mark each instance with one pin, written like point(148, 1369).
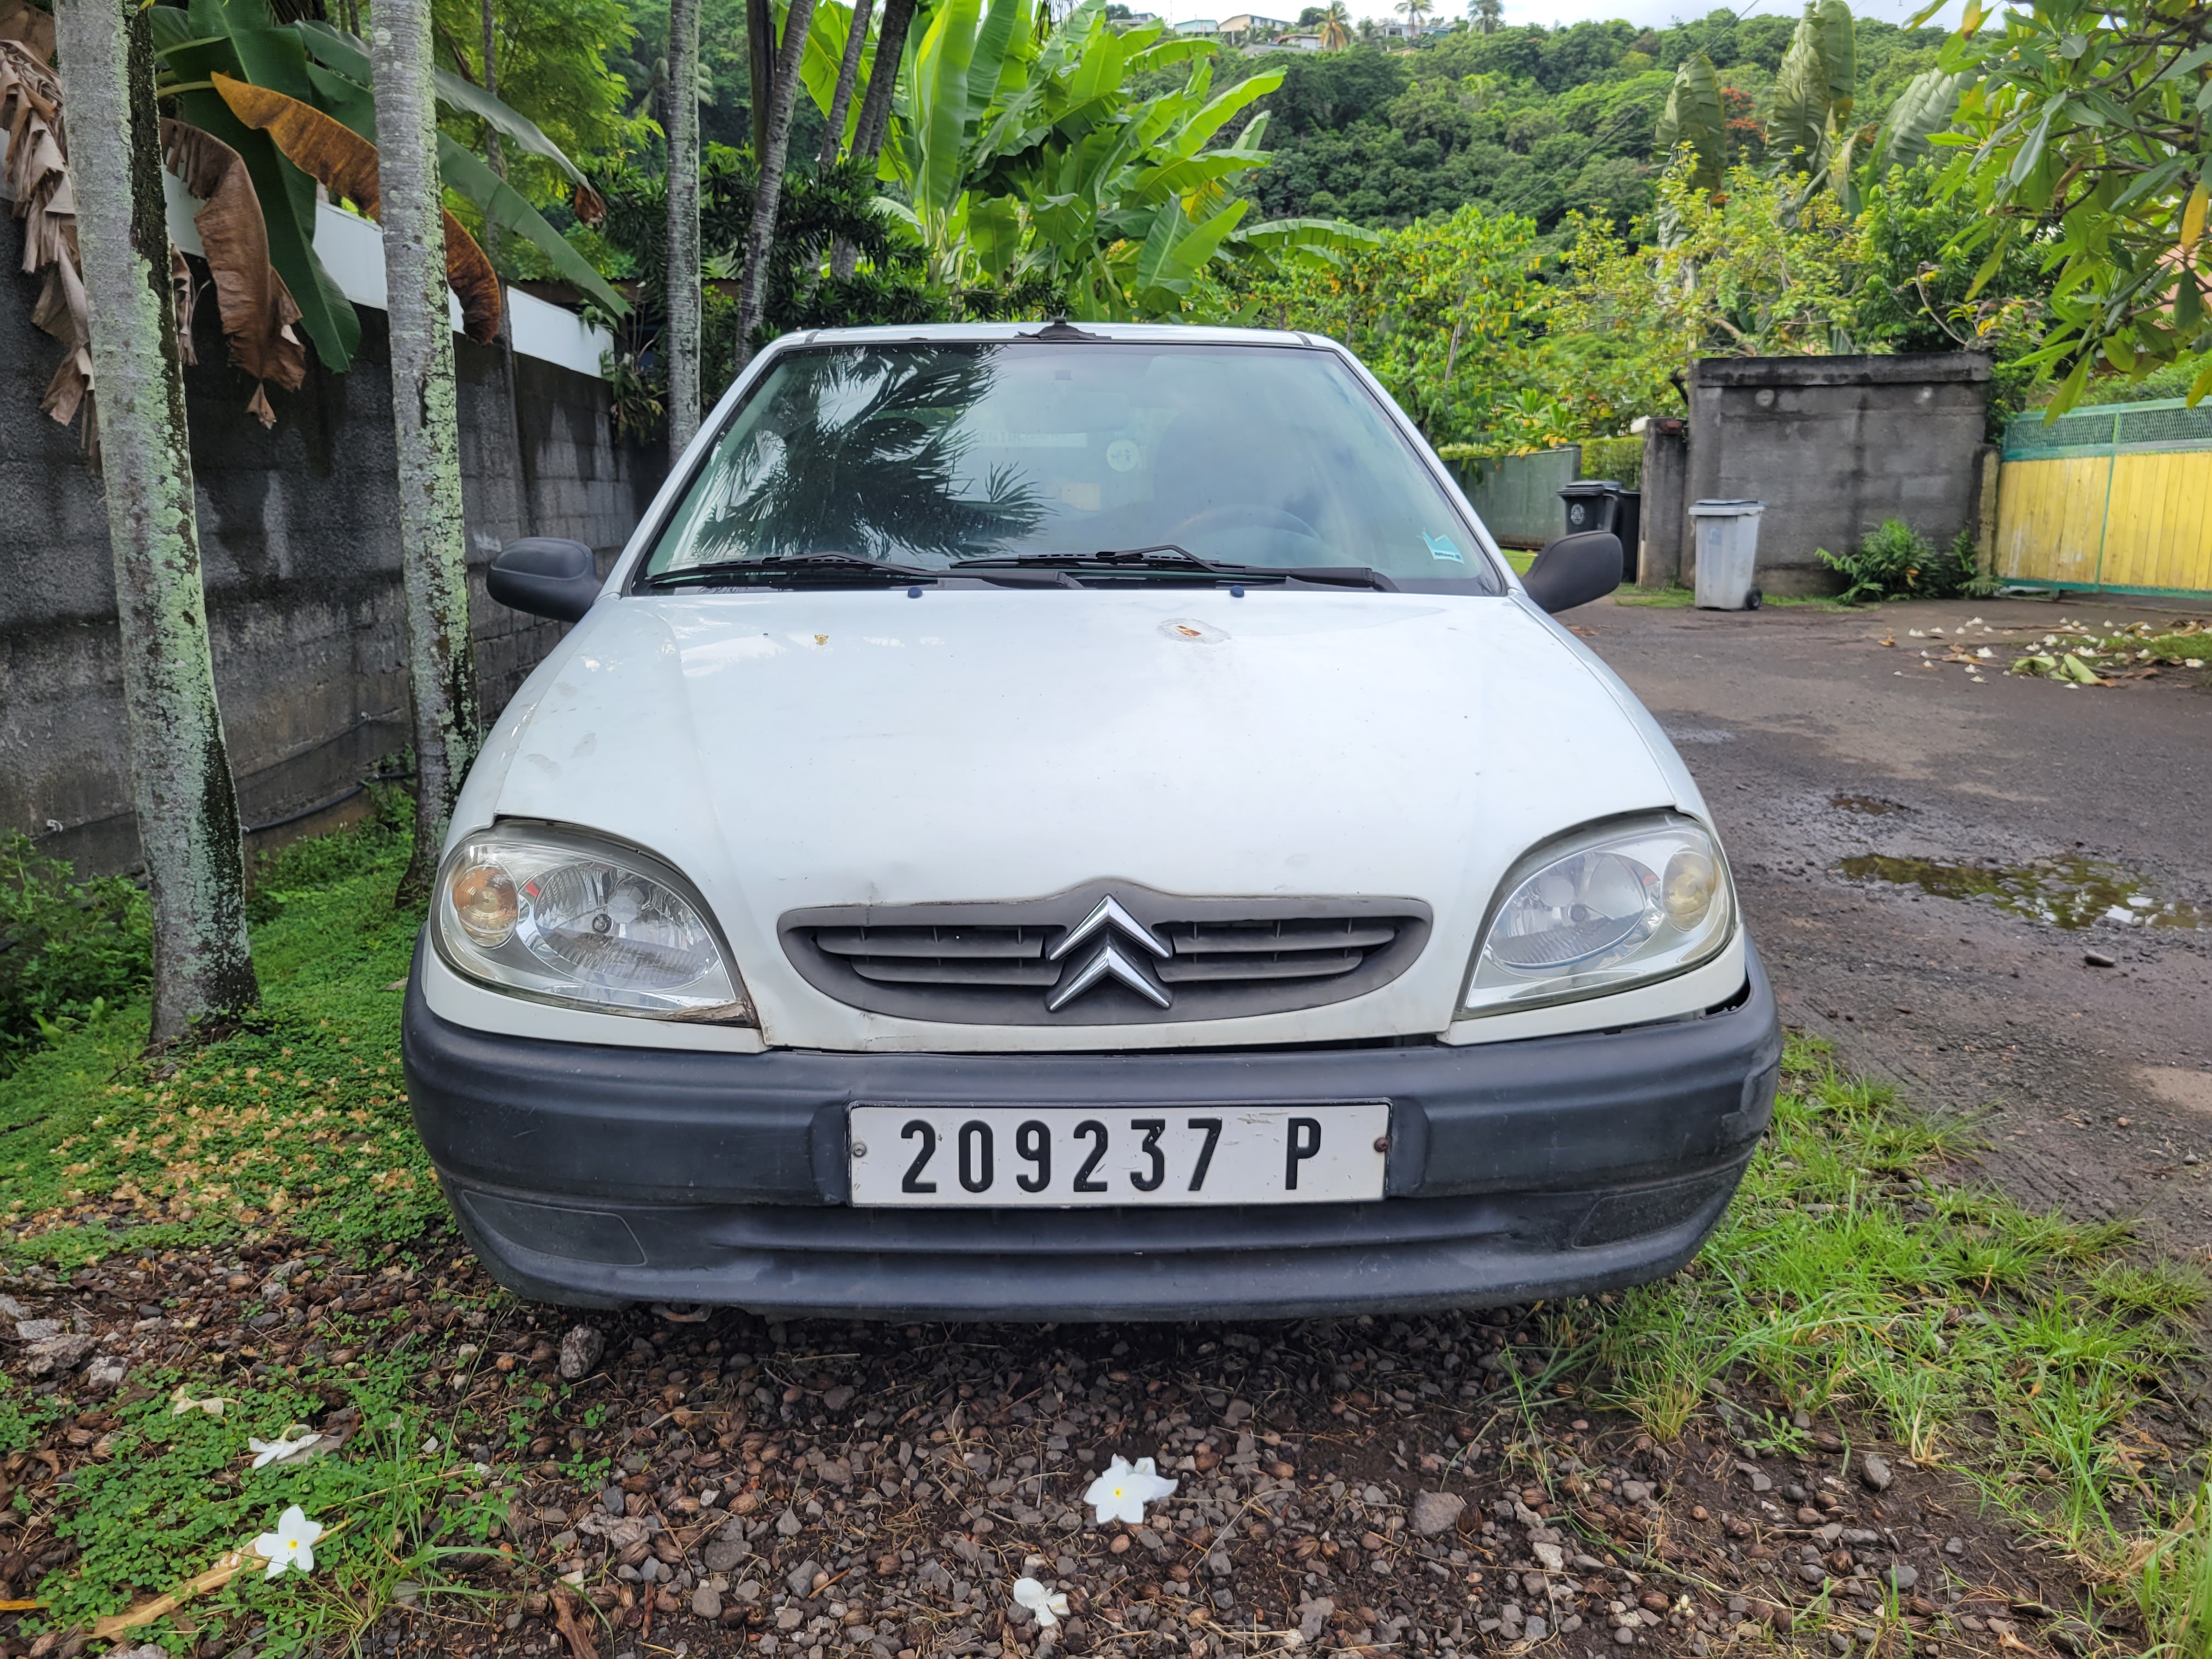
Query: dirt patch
point(2189, 1090)
point(2033, 813)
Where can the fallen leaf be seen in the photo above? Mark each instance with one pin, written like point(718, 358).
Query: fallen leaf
point(573, 1631)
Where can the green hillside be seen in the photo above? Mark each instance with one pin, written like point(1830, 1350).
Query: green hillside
point(1528, 120)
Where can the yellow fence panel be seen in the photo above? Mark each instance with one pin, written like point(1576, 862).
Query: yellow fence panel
point(2116, 498)
point(2050, 519)
point(2159, 533)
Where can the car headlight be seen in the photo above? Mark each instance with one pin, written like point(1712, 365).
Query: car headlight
point(1603, 909)
point(563, 917)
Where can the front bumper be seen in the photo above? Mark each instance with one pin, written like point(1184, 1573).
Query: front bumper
point(1556, 1166)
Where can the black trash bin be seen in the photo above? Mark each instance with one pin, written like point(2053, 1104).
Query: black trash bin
point(1603, 504)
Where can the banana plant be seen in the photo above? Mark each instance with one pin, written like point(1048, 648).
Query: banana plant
point(1808, 129)
point(1021, 157)
point(327, 71)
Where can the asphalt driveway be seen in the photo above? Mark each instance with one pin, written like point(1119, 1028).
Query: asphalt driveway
point(1859, 788)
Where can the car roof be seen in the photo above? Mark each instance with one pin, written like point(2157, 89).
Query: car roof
point(1174, 333)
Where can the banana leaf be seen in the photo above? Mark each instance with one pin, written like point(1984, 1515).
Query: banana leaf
point(236, 37)
point(1692, 117)
point(345, 164)
point(335, 50)
point(1927, 105)
point(462, 172)
point(1839, 35)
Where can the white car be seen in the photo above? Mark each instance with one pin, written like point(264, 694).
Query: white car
point(1077, 823)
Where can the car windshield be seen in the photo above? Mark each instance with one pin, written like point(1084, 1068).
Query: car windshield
point(923, 454)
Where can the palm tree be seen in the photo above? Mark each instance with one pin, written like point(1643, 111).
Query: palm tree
point(862, 462)
point(433, 542)
point(188, 824)
point(1487, 15)
point(1335, 26)
point(1416, 13)
point(683, 301)
point(874, 122)
point(848, 70)
point(752, 287)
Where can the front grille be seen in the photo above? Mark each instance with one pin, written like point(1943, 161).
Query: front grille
point(1045, 961)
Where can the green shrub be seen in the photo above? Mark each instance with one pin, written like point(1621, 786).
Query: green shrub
point(1897, 562)
point(1620, 459)
point(69, 948)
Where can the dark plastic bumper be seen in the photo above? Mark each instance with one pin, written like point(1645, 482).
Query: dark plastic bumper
point(1557, 1166)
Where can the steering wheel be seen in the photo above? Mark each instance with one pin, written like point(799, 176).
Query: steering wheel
point(1236, 520)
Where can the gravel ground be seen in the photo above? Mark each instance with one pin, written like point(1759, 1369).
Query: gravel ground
point(813, 1491)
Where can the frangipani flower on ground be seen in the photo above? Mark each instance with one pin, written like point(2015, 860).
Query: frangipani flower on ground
point(181, 1401)
point(283, 1451)
point(293, 1543)
point(1049, 1605)
point(1121, 1492)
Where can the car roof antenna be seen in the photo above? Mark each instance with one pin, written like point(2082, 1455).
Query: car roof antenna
point(1060, 329)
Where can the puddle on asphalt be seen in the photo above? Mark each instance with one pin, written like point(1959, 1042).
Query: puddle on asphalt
point(2064, 892)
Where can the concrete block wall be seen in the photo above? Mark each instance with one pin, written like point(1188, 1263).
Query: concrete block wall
point(1833, 446)
point(299, 542)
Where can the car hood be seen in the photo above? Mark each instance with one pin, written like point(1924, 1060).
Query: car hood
point(795, 749)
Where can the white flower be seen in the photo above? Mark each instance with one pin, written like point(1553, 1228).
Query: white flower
point(292, 1545)
point(1050, 1606)
point(1121, 1492)
point(181, 1401)
point(266, 1452)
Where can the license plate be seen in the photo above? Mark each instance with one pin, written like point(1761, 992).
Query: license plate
point(1060, 1158)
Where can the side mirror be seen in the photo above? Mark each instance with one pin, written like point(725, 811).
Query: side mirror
point(1574, 570)
point(546, 576)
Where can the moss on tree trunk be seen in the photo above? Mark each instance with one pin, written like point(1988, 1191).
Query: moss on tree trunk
point(683, 342)
point(181, 784)
point(433, 540)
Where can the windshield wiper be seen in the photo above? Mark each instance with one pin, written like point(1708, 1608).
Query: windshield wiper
point(1167, 559)
point(821, 569)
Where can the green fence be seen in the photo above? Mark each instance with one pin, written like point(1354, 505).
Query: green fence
point(1518, 496)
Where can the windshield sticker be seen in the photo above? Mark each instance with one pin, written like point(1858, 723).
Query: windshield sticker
point(1122, 455)
point(1000, 439)
point(1440, 547)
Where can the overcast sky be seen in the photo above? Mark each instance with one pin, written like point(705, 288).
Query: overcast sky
point(1656, 13)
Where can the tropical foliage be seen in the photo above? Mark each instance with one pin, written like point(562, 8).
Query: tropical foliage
point(1021, 158)
point(1737, 272)
point(2087, 133)
point(261, 113)
point(1541, 123)
point(1443, 313)
point(1809, 128)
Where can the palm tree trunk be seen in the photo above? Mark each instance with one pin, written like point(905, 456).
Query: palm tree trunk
point(876, 108)
point(682, 343)
point(181, 784)
point(760, 234)
point(433, 546)
point(760, 66)
point(849, 71)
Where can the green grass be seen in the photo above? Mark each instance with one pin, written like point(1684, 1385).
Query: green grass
point(2195, 649)
point(176, 1492)
point(1852, 1277)
point(1674, 599)
point(297, 1122)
